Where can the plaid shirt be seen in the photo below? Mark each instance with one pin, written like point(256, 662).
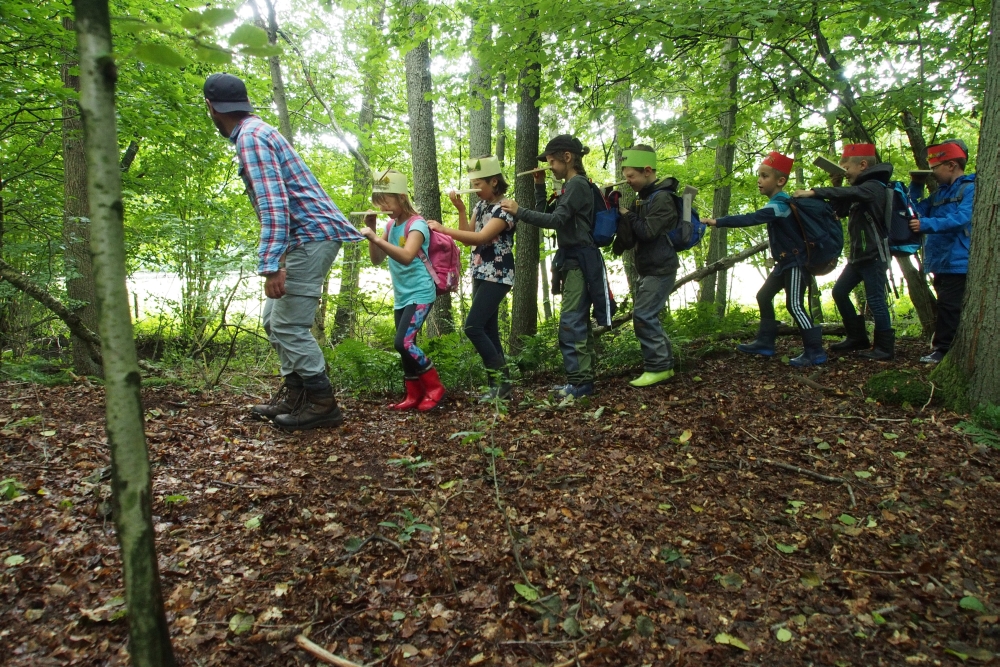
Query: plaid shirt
point(292, 206)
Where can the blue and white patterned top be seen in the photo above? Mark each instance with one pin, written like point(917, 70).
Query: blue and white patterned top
point(493, 261)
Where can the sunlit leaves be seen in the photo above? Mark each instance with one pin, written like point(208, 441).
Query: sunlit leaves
point(248, 35)
point(159, 54)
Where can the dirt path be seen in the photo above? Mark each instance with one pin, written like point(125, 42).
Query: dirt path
point(643, 528)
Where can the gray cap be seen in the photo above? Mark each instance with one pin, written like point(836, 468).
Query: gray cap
point(227, 93)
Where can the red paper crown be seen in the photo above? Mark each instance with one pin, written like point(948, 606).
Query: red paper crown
point(944, 152)
point(859, 150)
point(779, 162)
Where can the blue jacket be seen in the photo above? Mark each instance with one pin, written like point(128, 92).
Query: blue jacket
point(946, 219)
point(788, 246)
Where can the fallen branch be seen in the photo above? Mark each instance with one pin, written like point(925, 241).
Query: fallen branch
point(809, 382)
point(39, 294)
point(803, 471)
point(715, 267)
point(318, 651)
point(572, 661)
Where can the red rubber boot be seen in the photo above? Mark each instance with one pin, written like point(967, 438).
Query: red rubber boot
point(414, 394)
point(433, 390)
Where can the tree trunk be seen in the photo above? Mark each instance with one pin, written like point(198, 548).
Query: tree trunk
point(501, 118)
point(79, 272)
point(714, 288)
point(543, 272)
point(625, 138)
point(921, 296)
point(149, 638)
point(345, 316)
point(423, 150)
point(524, 307)
point(970, 373)
point(850, 114)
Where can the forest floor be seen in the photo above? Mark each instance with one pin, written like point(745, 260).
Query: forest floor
point(650, 527)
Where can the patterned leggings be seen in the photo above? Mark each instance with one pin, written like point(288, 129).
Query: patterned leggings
point(409, 319)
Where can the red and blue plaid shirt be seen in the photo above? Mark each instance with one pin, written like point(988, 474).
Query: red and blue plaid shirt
point(292, 206)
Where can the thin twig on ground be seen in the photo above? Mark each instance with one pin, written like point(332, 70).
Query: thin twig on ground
point(850, 492)
point(374, 537)
point(929, 398)
point(801, 379)
point(572, 661)
point(803, 471)
point(318, 651)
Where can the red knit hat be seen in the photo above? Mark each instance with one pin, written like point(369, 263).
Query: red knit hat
point(779, 162)
point(859, 150)
point(944, 152)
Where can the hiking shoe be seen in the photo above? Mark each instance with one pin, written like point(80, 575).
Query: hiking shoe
point(318, 409)
point(287, 399)
point(650, 378)
point(504, 390)
point(934, 357)
point(575, 390)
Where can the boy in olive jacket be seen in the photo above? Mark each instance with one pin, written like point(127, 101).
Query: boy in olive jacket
point(644, 226)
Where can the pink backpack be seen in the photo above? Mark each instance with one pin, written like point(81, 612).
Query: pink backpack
point(444, 263)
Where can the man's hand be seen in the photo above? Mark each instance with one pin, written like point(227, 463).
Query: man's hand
point(915, 225)
point(799, 194)
point(709, 221)
point(509, 205)
point(274, 284)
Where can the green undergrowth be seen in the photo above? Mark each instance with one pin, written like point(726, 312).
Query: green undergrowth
point(34, 369)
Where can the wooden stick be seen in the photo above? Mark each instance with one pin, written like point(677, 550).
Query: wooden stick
point(366, 213)
point(613, 185)
point(812, 383)
point(321, 653)
point(467, 191)
point(572, 661)
point(803, 471)
point(534, 171)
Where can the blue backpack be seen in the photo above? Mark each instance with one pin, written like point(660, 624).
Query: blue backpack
point(822, 231)
point(604, 224)
point(898, 212)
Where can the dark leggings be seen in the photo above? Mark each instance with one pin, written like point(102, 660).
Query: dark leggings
point(873, 275)
point(950, 288)
point(794, 281)
point(482, 325)
point(409, 319)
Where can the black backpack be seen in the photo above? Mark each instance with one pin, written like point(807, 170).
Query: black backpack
point(898, 213)
point(822, 231)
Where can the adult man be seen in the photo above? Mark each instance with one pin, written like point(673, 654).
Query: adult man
point(301, 231)
point(946, 218)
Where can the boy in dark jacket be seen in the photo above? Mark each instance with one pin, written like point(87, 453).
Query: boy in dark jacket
point(644, 226)
point(579, 260)
point(863, 204)
point(788, 248)
point(946, 218)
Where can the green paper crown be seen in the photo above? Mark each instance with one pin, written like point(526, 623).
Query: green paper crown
point(638, 159)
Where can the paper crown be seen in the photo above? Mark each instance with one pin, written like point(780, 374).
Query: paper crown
point(638, 159)
point(779, 162)
point(944, 152)
point(859, 150)
point(483, 167)
point(389, 181)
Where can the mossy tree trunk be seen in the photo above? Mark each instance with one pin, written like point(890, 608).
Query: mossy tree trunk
point(970, 373)
point(524, 305)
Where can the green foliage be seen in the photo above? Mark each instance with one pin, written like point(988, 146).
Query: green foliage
point(984, 428)
point(898, 387)
point(10, 488)
point(35, 369)
point(987, 416)
point(361, 369)
point(408, 524)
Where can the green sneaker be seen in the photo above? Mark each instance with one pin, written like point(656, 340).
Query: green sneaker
point(648, 379)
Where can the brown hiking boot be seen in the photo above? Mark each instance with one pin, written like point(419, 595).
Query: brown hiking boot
point(289, 396)
point(318, 409)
